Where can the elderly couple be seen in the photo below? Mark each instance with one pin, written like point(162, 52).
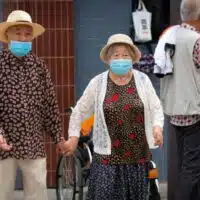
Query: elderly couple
point(128, 118)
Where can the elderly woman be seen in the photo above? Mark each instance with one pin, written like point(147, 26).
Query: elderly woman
point(128, 123)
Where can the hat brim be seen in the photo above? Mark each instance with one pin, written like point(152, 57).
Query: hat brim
point(37, 29)
point(104, 52)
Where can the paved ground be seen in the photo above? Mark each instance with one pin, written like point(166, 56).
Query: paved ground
point(52, 194)
point(163, 191)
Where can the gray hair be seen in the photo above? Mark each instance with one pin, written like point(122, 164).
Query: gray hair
point(128, 47)
point(190, 10)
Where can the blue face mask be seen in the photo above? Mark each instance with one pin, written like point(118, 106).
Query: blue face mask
point(121, 66)
point(20, 48)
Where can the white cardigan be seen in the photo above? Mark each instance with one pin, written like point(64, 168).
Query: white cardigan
point(92, 102)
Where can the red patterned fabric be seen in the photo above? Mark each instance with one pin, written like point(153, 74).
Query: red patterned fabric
point(124, 116)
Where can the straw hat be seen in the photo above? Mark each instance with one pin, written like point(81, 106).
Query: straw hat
point(122, 39)
point(19, 17)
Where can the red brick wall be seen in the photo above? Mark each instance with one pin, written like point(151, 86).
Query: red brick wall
point(56, 47)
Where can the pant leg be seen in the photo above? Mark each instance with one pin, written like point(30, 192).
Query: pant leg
point(190, 166)
point(173, 161)
point(8, 169)
point(34, 178)
point(195, 192)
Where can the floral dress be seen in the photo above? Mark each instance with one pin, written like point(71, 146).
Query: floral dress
point(122, 175)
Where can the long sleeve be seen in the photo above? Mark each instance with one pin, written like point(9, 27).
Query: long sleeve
point(146, 64)
point(51, 115)
point(156, 110)
point(83, 108)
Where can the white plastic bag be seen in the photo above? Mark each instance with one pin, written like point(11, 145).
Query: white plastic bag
point(142, 23)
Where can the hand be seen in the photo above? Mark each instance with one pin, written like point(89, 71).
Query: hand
point(59, 145)
point(58, 150)
point(69, 147)
point(158, 136)
point(3, 144)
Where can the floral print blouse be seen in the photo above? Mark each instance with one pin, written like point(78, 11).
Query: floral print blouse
point(28, 106)
point(124, 115)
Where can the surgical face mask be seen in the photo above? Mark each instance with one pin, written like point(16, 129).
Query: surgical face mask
point(121, 66)
point(20, 48)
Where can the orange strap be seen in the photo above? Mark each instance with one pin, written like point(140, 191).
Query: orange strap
point(153, 173)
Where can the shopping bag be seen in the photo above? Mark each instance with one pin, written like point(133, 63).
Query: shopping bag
point(142, 23)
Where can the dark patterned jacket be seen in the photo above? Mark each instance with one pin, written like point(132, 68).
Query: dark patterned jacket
point(28, 106)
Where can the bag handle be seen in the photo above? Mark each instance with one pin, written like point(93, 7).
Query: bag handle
point(141, 6)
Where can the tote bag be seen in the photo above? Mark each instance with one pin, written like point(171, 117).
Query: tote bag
point(142, 23)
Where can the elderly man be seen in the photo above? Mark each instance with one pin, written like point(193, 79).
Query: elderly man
point(180, 95)
point(28, 107)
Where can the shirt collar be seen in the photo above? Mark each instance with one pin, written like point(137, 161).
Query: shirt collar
point(7, 54)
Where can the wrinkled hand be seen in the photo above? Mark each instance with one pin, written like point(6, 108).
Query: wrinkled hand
point(59, 146)
point(58, 150)
point(68, 147)
point(158, 135)
point(4, 146)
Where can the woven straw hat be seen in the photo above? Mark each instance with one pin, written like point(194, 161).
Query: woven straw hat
point(119, 39)
point(19, 17)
